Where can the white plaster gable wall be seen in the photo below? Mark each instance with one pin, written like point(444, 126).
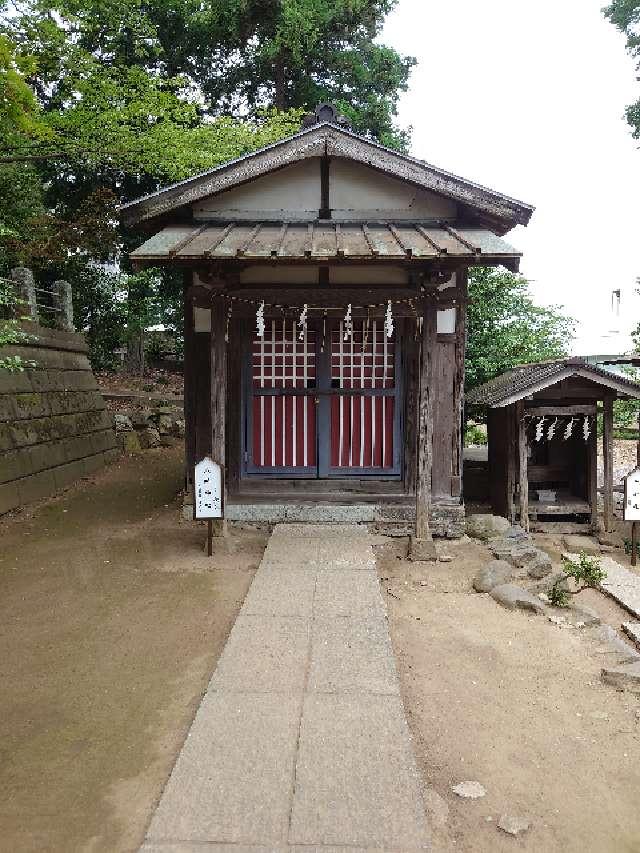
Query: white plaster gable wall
point(355, 192)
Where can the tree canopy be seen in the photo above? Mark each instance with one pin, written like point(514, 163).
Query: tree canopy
point(506, 328)
point(625, 15)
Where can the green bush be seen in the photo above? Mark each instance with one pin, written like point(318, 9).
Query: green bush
point(587, 572)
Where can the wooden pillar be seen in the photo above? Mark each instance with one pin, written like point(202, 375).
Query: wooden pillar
point(189, 386)
point(422, 545)
point(457, 439)
point(523, 466)
point(219, 391)
point(607, 449)
point(592, 488)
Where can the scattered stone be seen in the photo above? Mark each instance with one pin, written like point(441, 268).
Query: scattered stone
point(513, 825)
point(622, 650)
point(581, 617)
point(130, 442)
point(140, 418)
point(540, 566)
point(544, 585)
point(581, 544)
point(521, 555)
point(165, 424)
point(515, 532)
point(611, 540)
point(179, 427)
point(625, 677)
point(122, 423)
point(469, 790)
point(149, 437)
point(514, 597)
point(494, 574)
point(484, 526)
point(556, 620)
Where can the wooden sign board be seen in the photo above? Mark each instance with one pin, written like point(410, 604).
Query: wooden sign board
point(207, 489)
point(632, 496)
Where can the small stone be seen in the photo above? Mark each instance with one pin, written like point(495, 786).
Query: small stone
point(581, 617)
point(122, 423)
point(469, 790)
point(543, 586)
point(522, 554)
point(149, 437)
point(165, 424)
point(581, 544)
point(513, 825)
point(422, 550)
point(484, 526)
point(179, 427)
point(495, 573)
point(625, 677)
point(514, 597)
point(540, 566)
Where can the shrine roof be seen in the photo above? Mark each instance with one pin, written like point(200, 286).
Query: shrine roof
point(528, 379)
point(323, 241)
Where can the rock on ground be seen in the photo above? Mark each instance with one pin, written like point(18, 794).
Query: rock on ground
point(581, 544)
point(540, 566)
point(515, 598)
point(625, 677)
point(484, 525)
point(513, 825)
point(495, 573)
point(469, 790)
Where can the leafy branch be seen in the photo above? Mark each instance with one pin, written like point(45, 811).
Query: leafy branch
point(586, 572)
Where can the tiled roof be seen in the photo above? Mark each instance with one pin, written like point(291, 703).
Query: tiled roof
point(526, 379)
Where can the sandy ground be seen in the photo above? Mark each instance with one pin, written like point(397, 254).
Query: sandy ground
point(516, 703)
point(111, 622)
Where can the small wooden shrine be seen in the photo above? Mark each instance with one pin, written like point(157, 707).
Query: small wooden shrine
point(325, 288)
point(543, 442)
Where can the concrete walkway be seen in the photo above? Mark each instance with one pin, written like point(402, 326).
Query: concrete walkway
point(300, 742)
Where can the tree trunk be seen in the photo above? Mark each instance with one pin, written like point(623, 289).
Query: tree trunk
point(135, 353)
point(280, 90)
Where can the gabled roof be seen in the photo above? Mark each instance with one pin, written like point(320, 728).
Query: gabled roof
point(528, 379)
point(326, 138)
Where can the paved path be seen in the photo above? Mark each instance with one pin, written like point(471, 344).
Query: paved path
point(301, 742)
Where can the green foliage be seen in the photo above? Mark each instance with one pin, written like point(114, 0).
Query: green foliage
point(10, 332)
point(625, 15)
point(586, 572)
point(506, 328)
point(473, 434)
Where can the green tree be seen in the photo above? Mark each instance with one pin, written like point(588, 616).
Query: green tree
point(625, 15)
point(506, 328)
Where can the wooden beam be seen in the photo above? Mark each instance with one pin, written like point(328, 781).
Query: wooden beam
point(607, 449)
point(325, 202)
point(219, 391)
point(423, 547)
point(523, 477)
point(561, 409)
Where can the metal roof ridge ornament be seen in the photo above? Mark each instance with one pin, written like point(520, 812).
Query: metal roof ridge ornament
point(326, 113)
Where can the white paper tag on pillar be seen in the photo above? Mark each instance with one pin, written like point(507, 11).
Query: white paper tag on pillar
point(632, 495)
point(207, 485)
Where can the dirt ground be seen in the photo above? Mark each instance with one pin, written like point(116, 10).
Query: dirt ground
point(111, 622)
point(516, 703)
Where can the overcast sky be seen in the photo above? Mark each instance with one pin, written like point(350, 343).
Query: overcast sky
point(528, 98)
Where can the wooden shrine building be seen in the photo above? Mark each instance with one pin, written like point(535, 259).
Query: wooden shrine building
point(543, 442)
point(325, 296)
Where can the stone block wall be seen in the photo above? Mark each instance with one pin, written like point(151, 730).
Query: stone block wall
point(54, 426)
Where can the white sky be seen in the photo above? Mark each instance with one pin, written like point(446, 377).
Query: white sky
point(528, 98)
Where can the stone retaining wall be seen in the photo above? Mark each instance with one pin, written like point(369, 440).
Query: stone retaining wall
point(54, 426)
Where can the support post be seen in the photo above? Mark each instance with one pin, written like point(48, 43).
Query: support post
point(219, 392)
point(26, 292)
point(63, 301)
point(189, 385)
point(523, 466)
point(457, 464)
point(593, 476)
point(422, 547)
point(607, 451)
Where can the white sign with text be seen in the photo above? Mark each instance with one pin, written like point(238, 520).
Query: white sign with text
point(207, 484)
point(632, 495)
